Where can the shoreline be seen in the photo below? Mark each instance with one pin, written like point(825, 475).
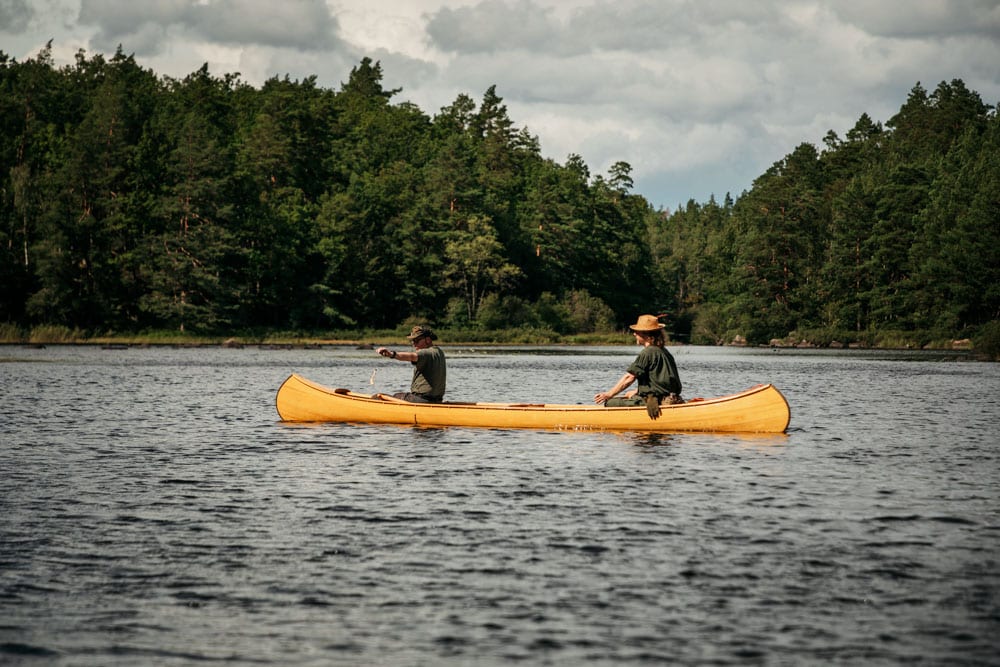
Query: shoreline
point(961, 352)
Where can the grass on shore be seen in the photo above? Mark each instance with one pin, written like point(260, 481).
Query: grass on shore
point(987, 344)
point(58, 335)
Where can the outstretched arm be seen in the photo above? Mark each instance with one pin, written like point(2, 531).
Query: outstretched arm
point(401, 356)
point(626, 380)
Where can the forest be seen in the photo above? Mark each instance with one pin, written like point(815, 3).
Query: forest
point(131, 202)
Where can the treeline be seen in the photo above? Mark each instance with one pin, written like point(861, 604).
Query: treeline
point(131, 202)
point(890, 234)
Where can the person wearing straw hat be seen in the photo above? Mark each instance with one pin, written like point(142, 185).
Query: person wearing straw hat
point(429, 368)
point(654, 368)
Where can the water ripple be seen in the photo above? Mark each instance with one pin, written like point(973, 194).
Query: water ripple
point(154, 511)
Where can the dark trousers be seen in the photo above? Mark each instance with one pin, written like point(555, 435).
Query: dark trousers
point(637, 400)
point(417, 398)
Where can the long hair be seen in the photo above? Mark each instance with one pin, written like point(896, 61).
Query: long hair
point(656, 337)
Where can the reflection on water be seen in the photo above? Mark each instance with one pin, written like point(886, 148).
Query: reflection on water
point(155, 511)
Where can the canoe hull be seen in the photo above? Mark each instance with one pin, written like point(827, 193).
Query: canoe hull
point(760, 409)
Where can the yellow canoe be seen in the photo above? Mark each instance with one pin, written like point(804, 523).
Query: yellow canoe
point(760, 409)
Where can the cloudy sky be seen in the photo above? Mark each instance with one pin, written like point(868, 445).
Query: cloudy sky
point(699, 96)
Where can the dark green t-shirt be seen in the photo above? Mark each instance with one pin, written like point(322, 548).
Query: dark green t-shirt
point(429, 372)
point(656, 372)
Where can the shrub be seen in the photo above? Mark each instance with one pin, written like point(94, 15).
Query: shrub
point(709, 325)
point(551, 313)
point(987, 340)
point(55, 333)
point(457, 313)
point(587, 313)
point(496, 312)
point(11, 333)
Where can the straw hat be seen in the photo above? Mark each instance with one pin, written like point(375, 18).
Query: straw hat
point(647, 323)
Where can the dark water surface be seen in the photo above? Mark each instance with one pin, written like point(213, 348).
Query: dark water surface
point(154, 511)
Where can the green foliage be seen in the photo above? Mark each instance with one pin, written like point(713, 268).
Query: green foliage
point(577, 312)
point(475, 264)
point(503, 312)
point(987, 340)
point(888, 237)
point(710, 325)
point(203, 206)
point(585, 313)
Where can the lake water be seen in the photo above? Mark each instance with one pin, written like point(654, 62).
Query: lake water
point(153, 510)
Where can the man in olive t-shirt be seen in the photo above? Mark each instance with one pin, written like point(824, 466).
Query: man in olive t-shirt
point(429, 367)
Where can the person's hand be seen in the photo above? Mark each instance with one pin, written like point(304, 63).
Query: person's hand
point(652, 406)
point(601, 398)
point(384, 351)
